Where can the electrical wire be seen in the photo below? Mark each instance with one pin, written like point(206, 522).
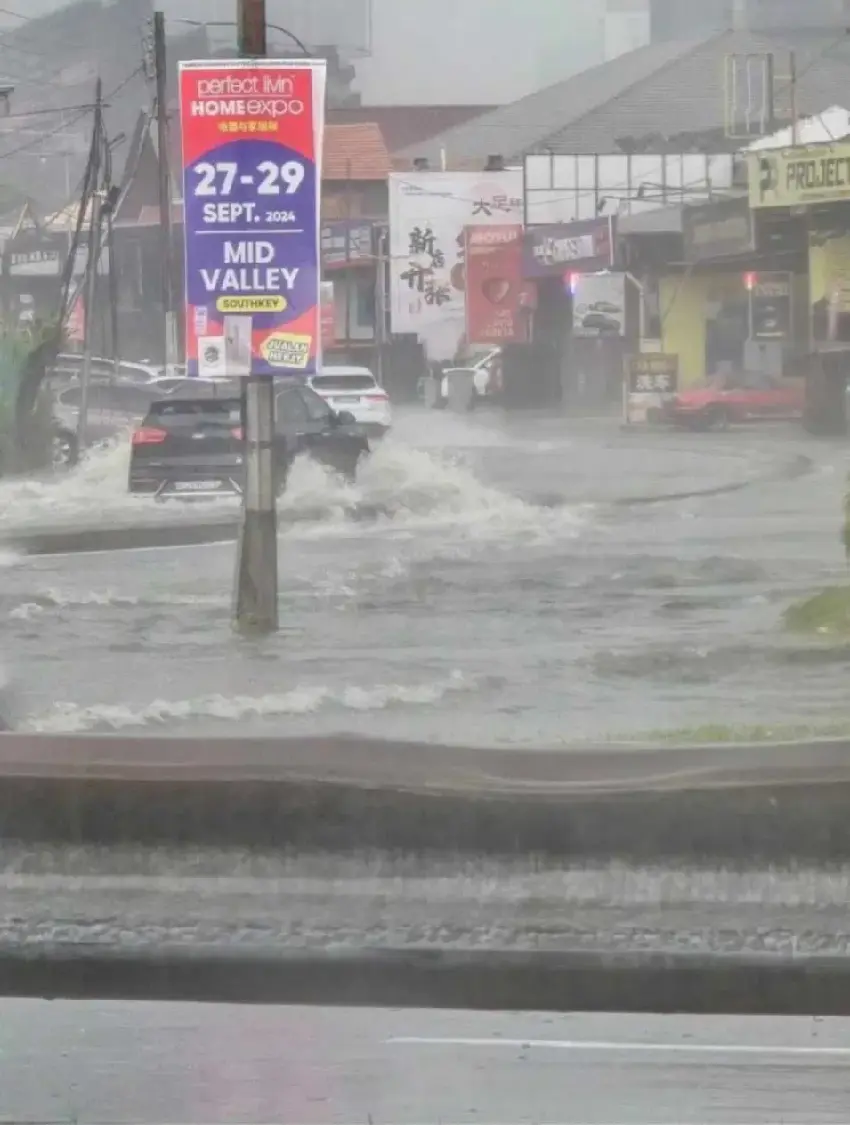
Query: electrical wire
point(32, 145)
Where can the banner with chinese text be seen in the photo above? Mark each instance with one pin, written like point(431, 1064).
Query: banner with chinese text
point(429, 212)
point(252, 144)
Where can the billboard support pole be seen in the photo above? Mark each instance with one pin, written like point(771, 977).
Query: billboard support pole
point(255, 609)
point(164, 187)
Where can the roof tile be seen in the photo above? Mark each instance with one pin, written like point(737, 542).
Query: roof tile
point(355, 152)
point(405, 125)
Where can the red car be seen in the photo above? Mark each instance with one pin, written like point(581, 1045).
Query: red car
point(746, 396)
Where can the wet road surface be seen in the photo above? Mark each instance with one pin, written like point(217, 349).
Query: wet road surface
point(500, 592)
point(148, 1064)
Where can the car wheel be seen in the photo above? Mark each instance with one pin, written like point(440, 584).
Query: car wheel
point(64, 451)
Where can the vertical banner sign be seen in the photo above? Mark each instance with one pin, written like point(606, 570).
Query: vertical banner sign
point(494, 285)
point(252, 146)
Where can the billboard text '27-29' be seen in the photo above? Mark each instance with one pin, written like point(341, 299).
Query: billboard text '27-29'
point(252, 140)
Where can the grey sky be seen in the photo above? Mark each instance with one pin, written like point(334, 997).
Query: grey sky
point(429, 51)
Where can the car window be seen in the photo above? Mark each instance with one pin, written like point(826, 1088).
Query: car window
point(218, 408)
point(343, 382)
point(124, 397)
point(291, 408)
point(317, 409)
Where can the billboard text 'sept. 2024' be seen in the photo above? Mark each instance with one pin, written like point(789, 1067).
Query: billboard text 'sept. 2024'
point(252, 142)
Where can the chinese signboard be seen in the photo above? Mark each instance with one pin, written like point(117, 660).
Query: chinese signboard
point(794, 177)
point(252, 139)
point(556, 248)
point(770, 306)
point(717, 230)
point(494, 285)
point(651, 379)
point(429, 212)
point(347, 244)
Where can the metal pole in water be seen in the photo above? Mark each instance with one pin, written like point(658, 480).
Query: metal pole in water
point(255, 609)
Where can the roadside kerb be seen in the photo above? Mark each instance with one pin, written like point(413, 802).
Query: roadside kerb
point(736, 804)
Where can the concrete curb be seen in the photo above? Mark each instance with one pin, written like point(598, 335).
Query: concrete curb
point(474, 980)
point(736, 804)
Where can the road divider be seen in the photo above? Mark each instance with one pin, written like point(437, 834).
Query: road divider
point(743, 804)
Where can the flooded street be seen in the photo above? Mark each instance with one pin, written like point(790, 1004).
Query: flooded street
point(489, 580)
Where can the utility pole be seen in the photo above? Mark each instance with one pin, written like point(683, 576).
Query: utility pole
point(111, 197)
point(91, 268)
point(382, 256)
point(166, 245)
point(255, 609)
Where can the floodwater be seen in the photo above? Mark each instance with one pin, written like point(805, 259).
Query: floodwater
point(489, 580)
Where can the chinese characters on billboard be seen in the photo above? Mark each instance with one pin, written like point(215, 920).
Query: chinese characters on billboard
point(252, 139)
point(429, 212)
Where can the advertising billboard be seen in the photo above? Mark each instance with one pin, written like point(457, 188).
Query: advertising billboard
point(794, 177)
point(429, 212)
point(252, 145)
point(494, 285)
point(554, 249)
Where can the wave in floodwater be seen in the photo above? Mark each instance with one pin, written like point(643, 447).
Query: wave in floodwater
point(69, 718)
point(398, 487)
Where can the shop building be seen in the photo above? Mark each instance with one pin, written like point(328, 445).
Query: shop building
point(803, 194)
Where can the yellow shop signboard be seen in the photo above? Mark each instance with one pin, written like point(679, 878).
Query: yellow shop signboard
point(793, 177)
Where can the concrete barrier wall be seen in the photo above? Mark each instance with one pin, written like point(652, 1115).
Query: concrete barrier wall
point(745, 804)
point(481, 980)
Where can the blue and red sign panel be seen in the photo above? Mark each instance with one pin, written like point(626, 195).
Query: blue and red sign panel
point(252, 144)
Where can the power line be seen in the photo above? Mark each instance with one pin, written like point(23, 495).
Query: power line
point(31, 145)
point(47, 111)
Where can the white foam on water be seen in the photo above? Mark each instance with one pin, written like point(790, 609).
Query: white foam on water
point(26, 611)
point(78, 599)
point(94, 494)
point(407, 490)
point(413, 490)
point(8, 559)
point(69, 718)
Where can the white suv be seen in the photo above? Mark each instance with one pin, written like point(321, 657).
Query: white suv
point(355, 390)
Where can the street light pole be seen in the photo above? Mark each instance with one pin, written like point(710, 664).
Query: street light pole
point(255, 609)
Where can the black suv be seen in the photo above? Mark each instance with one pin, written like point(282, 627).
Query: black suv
point(195, 446)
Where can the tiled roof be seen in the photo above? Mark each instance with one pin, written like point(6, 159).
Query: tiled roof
point(666, 88)
point(404, 125)
point(355, 152)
